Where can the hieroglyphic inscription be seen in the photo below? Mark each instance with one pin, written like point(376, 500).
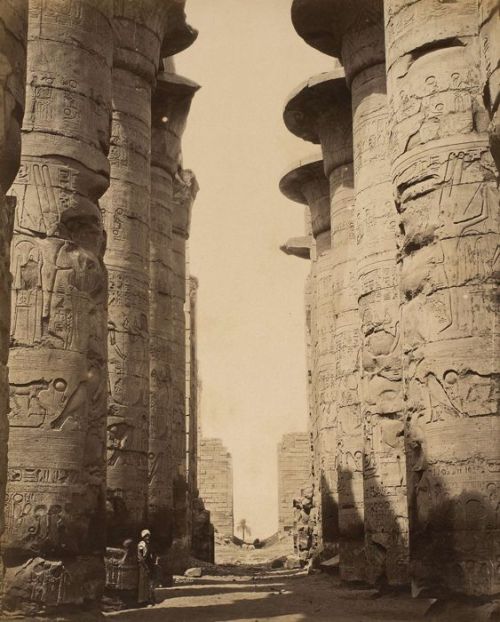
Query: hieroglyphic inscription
point(13, 35)
point(138, 31)
point(55, 500)
point(385, 516)
point(444, 180)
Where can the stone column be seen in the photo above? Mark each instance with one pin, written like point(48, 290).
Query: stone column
point(320, 111)
point(13, 33)
point(355, 35)
point(139, 29)
point(447, 198)
point(191, 397)
point(185, 190)
point(489, 33)
point(170, 107)
point(307, 184)
point(54, 538)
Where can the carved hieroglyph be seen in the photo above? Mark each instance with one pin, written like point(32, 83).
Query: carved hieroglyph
point(355, 35)
point(170, 107)
point(13, 32)
point(138, 34)
point(320, 111)
point(489, 33)
point(307, 184)
point(445, 187)
point(53, 541)
point(185, 190)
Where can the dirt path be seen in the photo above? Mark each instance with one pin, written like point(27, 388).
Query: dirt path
point(275, 596)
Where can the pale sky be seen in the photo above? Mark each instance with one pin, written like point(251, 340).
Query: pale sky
point(251, 350)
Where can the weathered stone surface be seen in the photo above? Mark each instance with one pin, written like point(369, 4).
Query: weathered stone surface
point(192, 405)
point(138, 29)
point(305, 524)
point(355, 35)
point(185, 190)
point(53, 542)
point(307, 184)
point(489, 33)
point(170, 107)
point(446, 192)
point(13, 34)
point(202, 538)
point(294, 473)
point(215, 478)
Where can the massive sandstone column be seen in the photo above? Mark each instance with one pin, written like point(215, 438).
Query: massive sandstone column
point(355, 35)
point(54, 540)
point(446, 193)
point(170, 107)
point(13, 32)
point(138, 32)
point(489, 32)
point(320, 111)
point(307, 184)
point(185, 190)
point(139, 28)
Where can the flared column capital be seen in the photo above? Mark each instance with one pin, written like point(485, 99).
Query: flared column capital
point(170, 105)
point(185, 190)
point(179, 35)
point(145, 30)
point(298, 247)
point(320, 111)
point(306, 183)
point(332, 26)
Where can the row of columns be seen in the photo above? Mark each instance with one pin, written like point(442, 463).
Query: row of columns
point(412, 379)
point(95, 440)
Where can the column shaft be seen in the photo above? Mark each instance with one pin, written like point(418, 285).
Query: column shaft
point(53, 543)
point(447, 197)
point(13, 33)
point(138, 33)
point(185, 189)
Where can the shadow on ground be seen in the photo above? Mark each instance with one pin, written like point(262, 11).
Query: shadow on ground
point(278, 598)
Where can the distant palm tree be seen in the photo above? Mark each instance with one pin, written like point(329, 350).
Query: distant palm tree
point(244, 528)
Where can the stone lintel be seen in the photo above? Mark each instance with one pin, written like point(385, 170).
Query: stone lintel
point(311, 100)
point(299, 247)
point(323, 23)
point(306, 183)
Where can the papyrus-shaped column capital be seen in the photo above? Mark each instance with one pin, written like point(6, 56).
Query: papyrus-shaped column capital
point(319, 111)
point(171, 102)
point(306, 183)
point(350, 31)
point(145, 30)
point(298, 247)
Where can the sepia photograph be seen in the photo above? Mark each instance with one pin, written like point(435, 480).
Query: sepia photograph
point(249, 310)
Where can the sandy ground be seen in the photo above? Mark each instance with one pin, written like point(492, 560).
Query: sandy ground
point(257, 595)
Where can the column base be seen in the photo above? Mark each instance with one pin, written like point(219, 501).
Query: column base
point(65, 589)
point(122, 578)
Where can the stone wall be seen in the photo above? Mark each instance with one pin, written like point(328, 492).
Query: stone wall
point(215, 481)
point(294, 475)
